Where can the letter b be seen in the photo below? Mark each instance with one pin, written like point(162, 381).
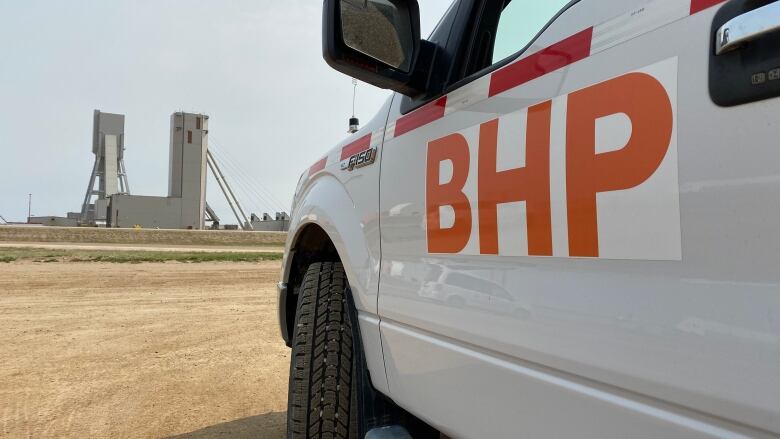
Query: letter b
point(454, 148)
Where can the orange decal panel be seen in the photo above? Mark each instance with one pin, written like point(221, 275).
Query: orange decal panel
point(618, 169)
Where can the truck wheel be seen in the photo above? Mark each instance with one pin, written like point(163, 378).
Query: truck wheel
point(323, 389)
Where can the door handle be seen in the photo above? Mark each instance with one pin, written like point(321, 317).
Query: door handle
point(747, 27)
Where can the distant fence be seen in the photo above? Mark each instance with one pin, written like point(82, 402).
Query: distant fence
point(140, 236)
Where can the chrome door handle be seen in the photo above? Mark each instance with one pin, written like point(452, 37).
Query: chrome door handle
point(747, 27)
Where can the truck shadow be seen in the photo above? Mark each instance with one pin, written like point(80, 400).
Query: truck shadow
point(265, 426)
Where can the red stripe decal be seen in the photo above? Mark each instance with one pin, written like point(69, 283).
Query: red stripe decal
point(355, 147)
point(557, 56)
point(561, 54)
point(700, 5)
point(424, 115)
point(319, 166)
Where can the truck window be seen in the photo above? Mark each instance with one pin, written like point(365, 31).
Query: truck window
point(519, 23)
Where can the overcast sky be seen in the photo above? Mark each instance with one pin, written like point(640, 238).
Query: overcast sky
point(254, 66)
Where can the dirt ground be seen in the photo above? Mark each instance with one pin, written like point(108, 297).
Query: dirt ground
point(148, 350)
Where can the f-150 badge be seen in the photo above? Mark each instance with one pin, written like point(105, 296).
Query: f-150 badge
point(359, 160)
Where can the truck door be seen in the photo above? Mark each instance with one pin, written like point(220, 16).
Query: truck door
point(598, 163)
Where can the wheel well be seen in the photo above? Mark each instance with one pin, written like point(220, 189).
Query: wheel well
point(313, 245)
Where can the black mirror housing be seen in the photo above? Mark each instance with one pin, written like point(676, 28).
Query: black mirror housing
point(345, 59)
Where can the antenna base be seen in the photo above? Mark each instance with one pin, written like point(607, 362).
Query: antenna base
point(354, 125)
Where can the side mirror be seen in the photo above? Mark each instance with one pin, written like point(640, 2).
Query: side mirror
point(375, 41)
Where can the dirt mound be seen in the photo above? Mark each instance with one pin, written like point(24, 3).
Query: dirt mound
point(141, 236)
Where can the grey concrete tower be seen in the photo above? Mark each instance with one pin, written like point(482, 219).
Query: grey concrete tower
point(108, 145)
point(187, 172)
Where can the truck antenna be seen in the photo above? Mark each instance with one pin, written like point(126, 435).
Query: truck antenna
point(354, 123)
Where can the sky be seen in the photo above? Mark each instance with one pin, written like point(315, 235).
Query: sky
point(254, 66)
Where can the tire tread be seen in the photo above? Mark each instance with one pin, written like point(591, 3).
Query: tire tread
point(320, 395)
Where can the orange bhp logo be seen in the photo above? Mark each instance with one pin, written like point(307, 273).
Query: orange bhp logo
point(589, 174)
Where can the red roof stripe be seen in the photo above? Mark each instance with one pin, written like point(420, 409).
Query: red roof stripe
point(700, 5)
point(355, 147)
point(557, 56)
point(422, 116)
point(319, 166)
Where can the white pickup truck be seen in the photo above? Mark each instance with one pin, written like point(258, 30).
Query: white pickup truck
point(564, 223)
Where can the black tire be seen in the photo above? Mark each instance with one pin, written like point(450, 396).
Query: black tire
point(323, 387)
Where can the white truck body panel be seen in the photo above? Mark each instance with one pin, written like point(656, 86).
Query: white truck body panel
point(672, 331)
point(346, 207)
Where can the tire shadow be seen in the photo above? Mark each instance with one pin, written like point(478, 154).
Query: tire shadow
point(266, 426)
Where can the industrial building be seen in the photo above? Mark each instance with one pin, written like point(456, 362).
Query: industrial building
point(185, 205)
point(279, 223)
point(71, 220)
point(108, 146)
point(109, 203)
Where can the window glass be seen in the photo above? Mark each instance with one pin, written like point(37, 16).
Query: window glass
point(432, 13)
point(519, 23)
